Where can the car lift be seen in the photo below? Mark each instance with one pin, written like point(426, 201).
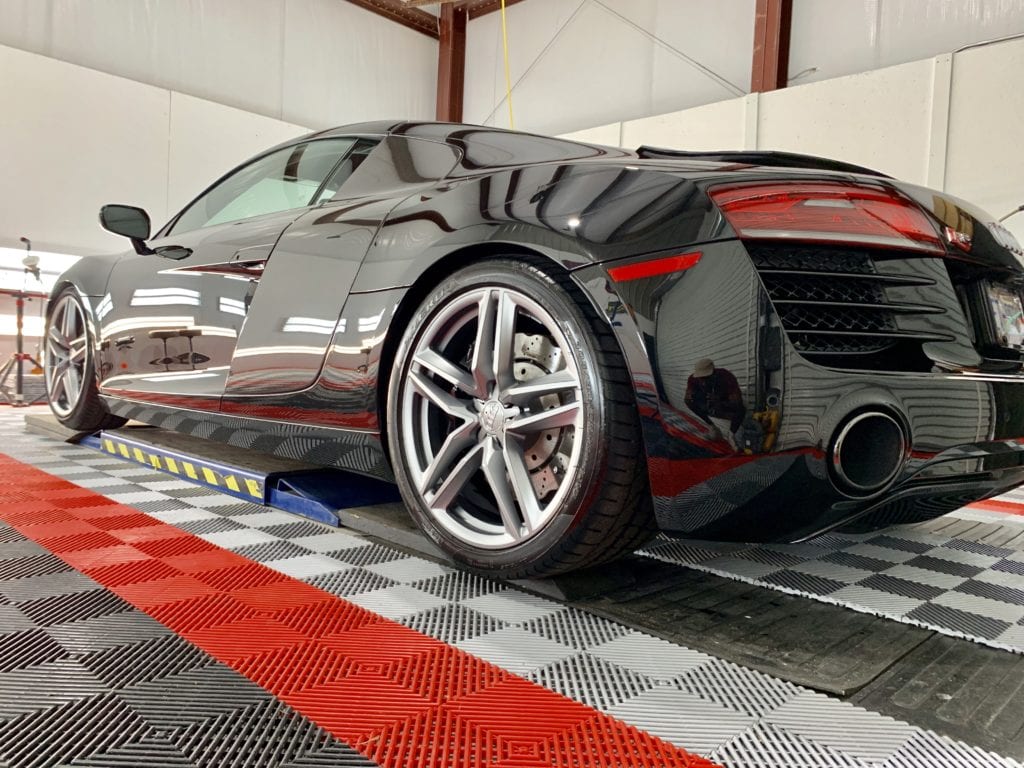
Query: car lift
point(329, 496)
point(314, 492)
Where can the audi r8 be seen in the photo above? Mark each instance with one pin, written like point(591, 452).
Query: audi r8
point(557, 349)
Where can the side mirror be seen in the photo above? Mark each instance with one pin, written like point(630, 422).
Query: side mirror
point(127, 221)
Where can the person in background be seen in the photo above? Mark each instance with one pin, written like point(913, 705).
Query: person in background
point(714, 395)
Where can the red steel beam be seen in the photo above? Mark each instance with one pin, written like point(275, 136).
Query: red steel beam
point(772, 24)
point(479, 8)
point(399, 12)
point(451, 63)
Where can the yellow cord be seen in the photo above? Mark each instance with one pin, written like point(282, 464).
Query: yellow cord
point(508, 74)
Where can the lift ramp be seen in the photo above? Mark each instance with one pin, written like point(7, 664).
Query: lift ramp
point(305, 489)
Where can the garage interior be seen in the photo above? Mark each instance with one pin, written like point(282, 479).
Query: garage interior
point(168, 602)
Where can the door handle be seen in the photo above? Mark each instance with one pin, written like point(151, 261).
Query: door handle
point(253, 253)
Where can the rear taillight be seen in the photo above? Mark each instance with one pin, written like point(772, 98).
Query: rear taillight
point(826, 211)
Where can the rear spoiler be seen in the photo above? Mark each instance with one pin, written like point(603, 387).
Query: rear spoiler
point(771, 158)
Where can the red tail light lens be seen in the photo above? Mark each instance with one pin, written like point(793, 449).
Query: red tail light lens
point(663, 266)
point(826, 211)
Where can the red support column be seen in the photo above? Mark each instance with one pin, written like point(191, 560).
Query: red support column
point(772, 23)
point(451, 63)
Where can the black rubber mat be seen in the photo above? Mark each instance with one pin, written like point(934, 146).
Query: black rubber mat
point(963, 690)
point(821, 646)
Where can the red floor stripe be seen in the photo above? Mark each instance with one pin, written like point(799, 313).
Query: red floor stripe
point(401, 698)
point(995, 505)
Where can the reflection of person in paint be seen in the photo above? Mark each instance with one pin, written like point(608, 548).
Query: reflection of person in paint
point(714, 395)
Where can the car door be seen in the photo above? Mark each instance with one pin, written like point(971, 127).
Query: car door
point(171, 320)
point(296, 315)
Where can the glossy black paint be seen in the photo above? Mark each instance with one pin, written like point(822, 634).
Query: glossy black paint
point(278, 332)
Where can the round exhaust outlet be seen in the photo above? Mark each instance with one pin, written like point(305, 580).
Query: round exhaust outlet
point(868, 452)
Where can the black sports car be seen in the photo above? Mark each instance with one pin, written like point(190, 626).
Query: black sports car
point(557, 349)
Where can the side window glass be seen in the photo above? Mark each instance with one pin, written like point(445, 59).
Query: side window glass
point(352, 162)
point(398, 162)
point(286, 179)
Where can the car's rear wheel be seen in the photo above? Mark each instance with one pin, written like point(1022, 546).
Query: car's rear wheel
point(69, 370)
point(513, 425)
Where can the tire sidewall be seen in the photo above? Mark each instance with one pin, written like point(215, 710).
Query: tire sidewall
point(534, 282)
point(88, 394)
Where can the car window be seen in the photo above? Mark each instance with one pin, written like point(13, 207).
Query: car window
point(352, 162)
point(282, 180)
point(398, 162)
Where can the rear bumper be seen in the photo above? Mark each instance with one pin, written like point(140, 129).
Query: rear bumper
point(774, 479)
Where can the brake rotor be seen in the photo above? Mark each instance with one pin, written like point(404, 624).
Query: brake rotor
point(547, 456)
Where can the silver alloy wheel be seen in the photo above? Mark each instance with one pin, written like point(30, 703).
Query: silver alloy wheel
point(491, 419)
point(66, 341)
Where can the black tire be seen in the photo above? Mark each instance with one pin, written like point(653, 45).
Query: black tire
point(606, 509)
point(84, 411)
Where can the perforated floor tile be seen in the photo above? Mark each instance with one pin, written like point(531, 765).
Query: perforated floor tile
point(843, 727)
point(596, 662)
point(409, 569)
point(267, 519)
point(516, 649)
point(575, 628)
point(765, 746)
point(122, 690)
point(451, 623)
point(678, 716)
point(512, 606)
point(902, 573)
point(333, 541)
point(307, 566)
point(397, 602)
point(240, 537)
point(658, 659)
point(592, 680)
point(346, 670)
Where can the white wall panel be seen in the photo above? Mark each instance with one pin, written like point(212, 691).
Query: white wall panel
point(830, 39)
point(213, 50)
point(985, 150)
point(344, 65)
point(77, 138)
point(532, 27)
point(314, 62)
point(712, 126)
point(26, 24)
point(950, 122)
point(878, 119)
point(208, 139)
point(576, 63)
point(609, 135)
point(714, 38)
point(73, 140)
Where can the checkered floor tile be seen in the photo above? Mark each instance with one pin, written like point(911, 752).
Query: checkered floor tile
point(88, 680)
point(956, 586)
point(731, 714)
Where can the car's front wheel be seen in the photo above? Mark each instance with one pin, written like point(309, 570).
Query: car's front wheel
point(68, 367)
point(513, 425)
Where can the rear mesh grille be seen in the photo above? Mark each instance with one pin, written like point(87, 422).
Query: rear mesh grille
point(833, 306)
point(801, 287)
point(807, 317)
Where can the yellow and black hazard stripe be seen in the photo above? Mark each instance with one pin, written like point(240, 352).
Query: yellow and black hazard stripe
point(194, 469)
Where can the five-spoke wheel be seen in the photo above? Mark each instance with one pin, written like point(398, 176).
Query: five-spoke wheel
point(490, 416)
point(68, 366)
point(66, 354)
point(500, 421)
